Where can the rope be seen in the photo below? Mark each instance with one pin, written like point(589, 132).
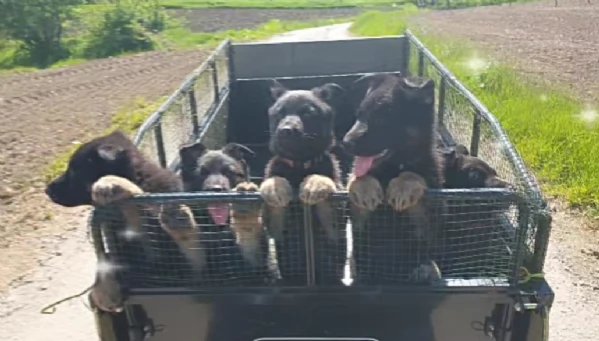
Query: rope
point(51, 308)
point(526, 276)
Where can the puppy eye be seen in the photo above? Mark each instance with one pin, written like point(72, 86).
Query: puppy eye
point(309, 110)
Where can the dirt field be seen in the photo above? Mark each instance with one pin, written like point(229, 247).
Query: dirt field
point(553, 44)
point(44, 251)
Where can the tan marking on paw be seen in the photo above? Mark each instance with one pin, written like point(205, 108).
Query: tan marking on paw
point(365, 192)
point(250, 208)
point(327, 215)
point(316, 188)
point(106, 293)
point(178, 221)
point(405, 191)
point(246, 222)
point(110, 189)
point(276, 191)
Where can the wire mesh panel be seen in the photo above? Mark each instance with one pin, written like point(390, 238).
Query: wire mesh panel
point(466, 121)
point(178, 121)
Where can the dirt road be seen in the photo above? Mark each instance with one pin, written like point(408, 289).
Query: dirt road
point(63, 262)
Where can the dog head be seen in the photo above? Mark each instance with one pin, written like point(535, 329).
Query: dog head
point(396, 114)
point(465, 171)
point(111, 154)
point(301, 121)
point(204, 170)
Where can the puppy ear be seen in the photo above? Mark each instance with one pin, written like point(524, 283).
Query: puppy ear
point(190, 153)
point(420, 88)
point(238, 151)
point(276, 89)
point(329, 92)
point(110, 152)
point(461, 149)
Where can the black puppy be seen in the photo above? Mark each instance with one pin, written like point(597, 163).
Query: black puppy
point(301, 136)
point(462, 170)
point(235, 239)
point(110, 169)
point(473, 230)
point(393, 142)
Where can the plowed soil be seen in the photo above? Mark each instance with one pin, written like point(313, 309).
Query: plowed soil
point(552, 44)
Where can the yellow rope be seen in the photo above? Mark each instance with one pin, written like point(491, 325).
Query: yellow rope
point(526, 276)
point(51, 309)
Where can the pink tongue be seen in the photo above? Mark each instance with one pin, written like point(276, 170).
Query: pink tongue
point(362, 165)
point(219, 213)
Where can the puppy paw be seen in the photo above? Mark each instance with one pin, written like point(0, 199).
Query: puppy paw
point(316, 188)
point(276, 191)
point(246, 208)
point(365, 192)
point(177, 221)
point(426, 273)
point(246, 222)
point(106, 293)
point(110, 189)
point(405, 191)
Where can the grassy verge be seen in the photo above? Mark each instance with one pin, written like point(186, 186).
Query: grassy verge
point(555, 134)
point(128, 119)
point(275, 4)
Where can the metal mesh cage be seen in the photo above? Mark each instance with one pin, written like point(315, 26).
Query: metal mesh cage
point(465, 120)
point(467, 236)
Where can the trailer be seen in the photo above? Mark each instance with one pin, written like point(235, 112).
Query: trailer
point(497, 295)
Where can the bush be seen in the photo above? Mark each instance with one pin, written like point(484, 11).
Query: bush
point(124, 27)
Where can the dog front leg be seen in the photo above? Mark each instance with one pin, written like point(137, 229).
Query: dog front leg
point(246, 223)
point(365, 195)
point(277, 194)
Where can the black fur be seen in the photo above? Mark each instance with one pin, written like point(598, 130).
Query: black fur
point(301, 136)
point(111, 154)
point(474, 233)
point(395, 123)
point(204, 170)
point(115, 154)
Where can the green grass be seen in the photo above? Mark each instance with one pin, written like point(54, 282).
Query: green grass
point(280, 4)
point(128, 119)
point(544, 123)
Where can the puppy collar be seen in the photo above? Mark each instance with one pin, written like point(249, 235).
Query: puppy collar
point(303, 165)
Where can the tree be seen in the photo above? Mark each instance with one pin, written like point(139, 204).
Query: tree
point(38, 25)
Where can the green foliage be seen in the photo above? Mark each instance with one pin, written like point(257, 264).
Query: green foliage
point(125, 26)
point(555, 134)
point(37, 27)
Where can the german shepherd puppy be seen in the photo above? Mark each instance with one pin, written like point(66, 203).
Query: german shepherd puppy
point(233, 237)
point(393, 142)
point(301, 136)
point(109, 169)
point(473, 232)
